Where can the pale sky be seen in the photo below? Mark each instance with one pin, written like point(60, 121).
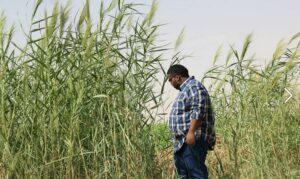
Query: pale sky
point(208, 24)
point(212, 23)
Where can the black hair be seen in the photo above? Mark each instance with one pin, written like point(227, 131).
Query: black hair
point(178, 70)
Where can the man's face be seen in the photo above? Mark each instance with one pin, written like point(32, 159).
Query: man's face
point(175, 81)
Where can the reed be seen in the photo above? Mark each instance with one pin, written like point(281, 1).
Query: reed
point(256, 127)
point(74, 100)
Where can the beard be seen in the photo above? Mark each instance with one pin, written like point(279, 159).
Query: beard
point(177, 87)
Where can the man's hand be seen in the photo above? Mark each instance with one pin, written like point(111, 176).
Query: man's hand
point(190, 138)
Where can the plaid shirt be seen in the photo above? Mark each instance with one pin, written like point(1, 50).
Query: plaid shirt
point(192, 102)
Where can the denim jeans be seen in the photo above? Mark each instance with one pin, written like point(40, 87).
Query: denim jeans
point(190, 160)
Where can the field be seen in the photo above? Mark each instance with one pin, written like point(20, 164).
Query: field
point(257, 127)
point(78, 100)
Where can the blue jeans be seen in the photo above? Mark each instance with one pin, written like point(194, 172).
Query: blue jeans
point(190, 160)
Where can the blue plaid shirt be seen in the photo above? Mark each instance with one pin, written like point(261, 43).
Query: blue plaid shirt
point(192, 102)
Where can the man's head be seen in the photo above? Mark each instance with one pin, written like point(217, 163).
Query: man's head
point(177, 74)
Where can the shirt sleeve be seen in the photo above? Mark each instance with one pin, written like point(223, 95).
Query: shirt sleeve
point(197, 103)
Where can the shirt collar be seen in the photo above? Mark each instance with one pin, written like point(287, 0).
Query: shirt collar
point(185, 83)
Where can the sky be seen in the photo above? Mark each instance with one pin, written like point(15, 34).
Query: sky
point(208, 25)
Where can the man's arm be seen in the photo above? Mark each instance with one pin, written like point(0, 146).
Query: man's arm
point(197, 104)
point(190, 137)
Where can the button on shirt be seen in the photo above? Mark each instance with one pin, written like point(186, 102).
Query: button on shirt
point(192, 102)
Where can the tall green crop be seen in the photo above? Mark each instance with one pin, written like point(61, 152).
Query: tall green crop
point(74, 100)
point(257, 128)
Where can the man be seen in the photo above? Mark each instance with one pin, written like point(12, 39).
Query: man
point(191, 123)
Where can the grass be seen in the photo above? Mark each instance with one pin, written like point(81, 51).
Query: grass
point(257, 131)
point(78, 101)
point(74, 100)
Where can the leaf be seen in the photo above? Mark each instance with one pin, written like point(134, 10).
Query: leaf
point(100, 96)
point(217, 54)
point(294, 37)
point(85, 14)
point(235, 52)
point(246, 46)
point(280, 49)
point(229, 55)
point(38, 3)
point(179, 39)
point(150, 15)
